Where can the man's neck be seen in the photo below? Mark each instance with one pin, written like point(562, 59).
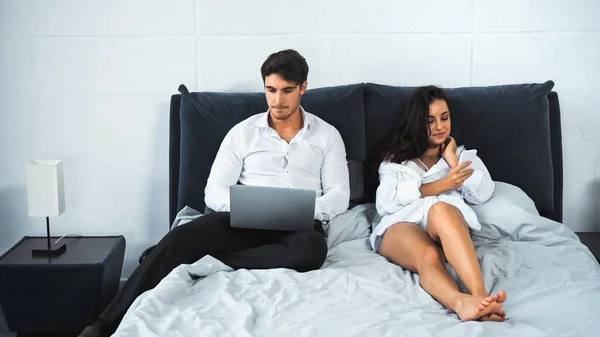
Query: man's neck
point(294, 123)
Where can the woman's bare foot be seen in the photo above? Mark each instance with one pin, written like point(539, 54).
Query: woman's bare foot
point(496, 316)
point(493, 318)
point(469, 308)
point(499, 316)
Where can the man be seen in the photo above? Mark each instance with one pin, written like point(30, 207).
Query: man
point(283, 147)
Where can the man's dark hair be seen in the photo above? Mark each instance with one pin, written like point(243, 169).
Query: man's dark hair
point(288, 64)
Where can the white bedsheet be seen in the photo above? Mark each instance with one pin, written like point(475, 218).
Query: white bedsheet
point(552, 282)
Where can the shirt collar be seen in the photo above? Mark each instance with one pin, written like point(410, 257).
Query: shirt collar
point(263, 122)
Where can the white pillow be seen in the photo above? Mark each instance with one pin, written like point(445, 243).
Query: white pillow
point(353, 224)
point(512, 194)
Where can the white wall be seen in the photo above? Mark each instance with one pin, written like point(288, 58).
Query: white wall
point(89, 82)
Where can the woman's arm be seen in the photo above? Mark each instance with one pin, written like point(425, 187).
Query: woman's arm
point(434, 188)
point(455, 178)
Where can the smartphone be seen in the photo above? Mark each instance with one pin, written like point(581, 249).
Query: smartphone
point(467, 155)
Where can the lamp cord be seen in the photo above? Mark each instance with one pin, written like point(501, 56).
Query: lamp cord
point(68, 235)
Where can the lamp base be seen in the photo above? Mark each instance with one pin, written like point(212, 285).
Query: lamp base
point(49, 252)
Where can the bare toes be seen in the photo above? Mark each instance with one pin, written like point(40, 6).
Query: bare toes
point(486, 303)
point(501, 296)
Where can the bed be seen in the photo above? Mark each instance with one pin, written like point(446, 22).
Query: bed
point(552, 280)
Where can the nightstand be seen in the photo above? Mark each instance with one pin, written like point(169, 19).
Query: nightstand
point(63, 294)
point(592, 241)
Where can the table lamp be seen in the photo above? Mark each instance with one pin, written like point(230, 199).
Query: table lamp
point(46, 198)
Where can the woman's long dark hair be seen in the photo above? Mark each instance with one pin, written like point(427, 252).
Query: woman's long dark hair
point(410, 138)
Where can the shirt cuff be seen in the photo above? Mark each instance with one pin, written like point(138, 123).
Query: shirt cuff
point(322, 210)
point(221, 208)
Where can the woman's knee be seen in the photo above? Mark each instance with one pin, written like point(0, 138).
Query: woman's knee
point(440, 209)
point(444, 218)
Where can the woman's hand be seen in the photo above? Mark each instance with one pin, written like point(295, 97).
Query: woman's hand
point(457, 175)
point(448, 150)
point(454, 179)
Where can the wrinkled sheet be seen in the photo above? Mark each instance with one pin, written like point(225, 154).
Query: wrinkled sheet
point(552, 282)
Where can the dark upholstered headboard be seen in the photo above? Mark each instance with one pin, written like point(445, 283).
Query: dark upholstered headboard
point(557, 157)
point(174, 151)
point(357, 139)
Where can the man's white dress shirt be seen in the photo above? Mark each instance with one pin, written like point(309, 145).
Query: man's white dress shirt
point(252, 153)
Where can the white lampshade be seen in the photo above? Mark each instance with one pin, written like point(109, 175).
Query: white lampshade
point(45, 188)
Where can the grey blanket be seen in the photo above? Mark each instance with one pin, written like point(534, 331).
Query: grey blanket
point(552, 282)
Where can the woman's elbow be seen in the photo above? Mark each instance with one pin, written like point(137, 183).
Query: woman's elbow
point(407, 196)
point(384, 209)
point(384, 203)
point(482, 196)
point(489, 192)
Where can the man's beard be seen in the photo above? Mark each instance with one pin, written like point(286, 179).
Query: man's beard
point(286, 116)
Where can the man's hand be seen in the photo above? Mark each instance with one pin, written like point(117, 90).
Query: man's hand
point(457, 175)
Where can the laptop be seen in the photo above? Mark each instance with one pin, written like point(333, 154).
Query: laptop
point(272, 208)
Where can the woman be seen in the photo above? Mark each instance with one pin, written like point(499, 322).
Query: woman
point(424, 220)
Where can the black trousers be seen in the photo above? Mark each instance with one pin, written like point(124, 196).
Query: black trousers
point(212, 235)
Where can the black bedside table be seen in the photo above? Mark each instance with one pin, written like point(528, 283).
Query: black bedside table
point(60, 295)
point(592, 241)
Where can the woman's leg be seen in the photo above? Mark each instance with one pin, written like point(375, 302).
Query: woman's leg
point(447, 226)
point(411, 248)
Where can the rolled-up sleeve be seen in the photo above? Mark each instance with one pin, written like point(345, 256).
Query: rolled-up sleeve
point(479, 187)
point(398, 186)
